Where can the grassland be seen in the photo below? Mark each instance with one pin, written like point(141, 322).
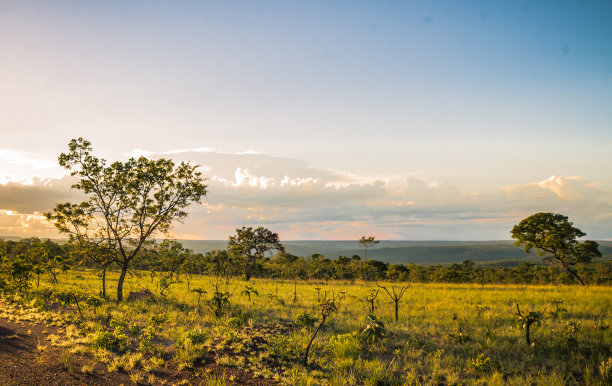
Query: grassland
point(446, 334)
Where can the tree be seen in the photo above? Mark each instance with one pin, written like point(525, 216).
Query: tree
point(252, 244)
point(366, 242)
point(554, 239)
point(127, 204)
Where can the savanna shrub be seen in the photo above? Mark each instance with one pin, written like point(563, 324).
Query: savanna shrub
point(195, 336)
point(306, 320)
point(116, 341)
point(484, 364)
point(239, 319)
point(158, 319)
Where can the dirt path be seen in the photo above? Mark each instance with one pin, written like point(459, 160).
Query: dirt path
point(28, 358)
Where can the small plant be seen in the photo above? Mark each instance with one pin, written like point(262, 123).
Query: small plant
point(249, 290)
point(239, 319)
point(135, 329)
point(219, 301)
point(306, 320)
point(605, 368)
point(370, 298)
point(484, 364)
point(558, 309)
point(327, 306)
point(94, 302)
point(67, 298)
point(525, 321)
point(374, 331)
point(396, 297)
point(158, 319)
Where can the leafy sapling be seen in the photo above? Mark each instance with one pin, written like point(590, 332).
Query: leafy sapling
point(327, 306)
point(67, 298)
point(558, 309)
point(370, 298)
point(374, 331)
point(525, 321)
point(249, 290)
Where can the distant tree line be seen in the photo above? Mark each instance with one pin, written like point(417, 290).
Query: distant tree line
point(27, 262)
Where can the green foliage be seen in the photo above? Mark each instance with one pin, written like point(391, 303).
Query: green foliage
point(484, 364)
point(219, 301)
point(127, 202)
point(252, 245)
point(525, 321)
point(94, 302)
point(555, 239)
point(605, 369)
point(304, 319)
point(249, 290)
point(158, 319)
point(239, 319)
point(374, 330)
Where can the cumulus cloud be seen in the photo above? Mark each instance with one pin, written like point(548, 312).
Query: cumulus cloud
point(302, 202)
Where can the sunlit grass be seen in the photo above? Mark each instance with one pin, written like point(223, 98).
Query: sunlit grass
point(459, 333)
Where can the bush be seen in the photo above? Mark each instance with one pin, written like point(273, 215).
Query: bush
point(306, 320)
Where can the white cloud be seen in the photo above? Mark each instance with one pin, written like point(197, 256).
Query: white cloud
point(297, 200)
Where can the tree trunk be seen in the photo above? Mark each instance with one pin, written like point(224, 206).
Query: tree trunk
point(575, 275)
point(104, 281)
point(249, 268)
point(120, 284)
point(396, 302)
point(312, 340)
point(365, 270)
point(527, 334)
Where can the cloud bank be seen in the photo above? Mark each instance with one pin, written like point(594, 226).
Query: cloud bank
point(302, 202)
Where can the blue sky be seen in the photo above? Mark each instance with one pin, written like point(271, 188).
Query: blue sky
point(479, 96)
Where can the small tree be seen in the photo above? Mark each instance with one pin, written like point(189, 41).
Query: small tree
point(252, 244)
point(370, 298)
point(366, 242)
point(554, 239)
point(327, 306)
point(249, 290)
point(127, 203)
point(396, 297)
point(525, 321)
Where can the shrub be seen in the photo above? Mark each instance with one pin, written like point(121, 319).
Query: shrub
point(484, 364)
point(374, 331)
point(306, 320)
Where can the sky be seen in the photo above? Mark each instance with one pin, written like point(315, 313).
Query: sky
point(408, 120)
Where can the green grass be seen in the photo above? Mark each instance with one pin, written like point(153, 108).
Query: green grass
point(450, 334)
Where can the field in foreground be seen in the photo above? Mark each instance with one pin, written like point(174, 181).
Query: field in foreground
point(445, 334)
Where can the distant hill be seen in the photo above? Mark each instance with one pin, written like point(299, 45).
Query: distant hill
point(392, 251)
point(502, 252)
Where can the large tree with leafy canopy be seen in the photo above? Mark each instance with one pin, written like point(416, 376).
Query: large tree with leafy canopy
point(252, 244)
point(555, 240)
point(127, 203)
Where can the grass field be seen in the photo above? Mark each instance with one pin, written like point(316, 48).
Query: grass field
point(445, 334)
